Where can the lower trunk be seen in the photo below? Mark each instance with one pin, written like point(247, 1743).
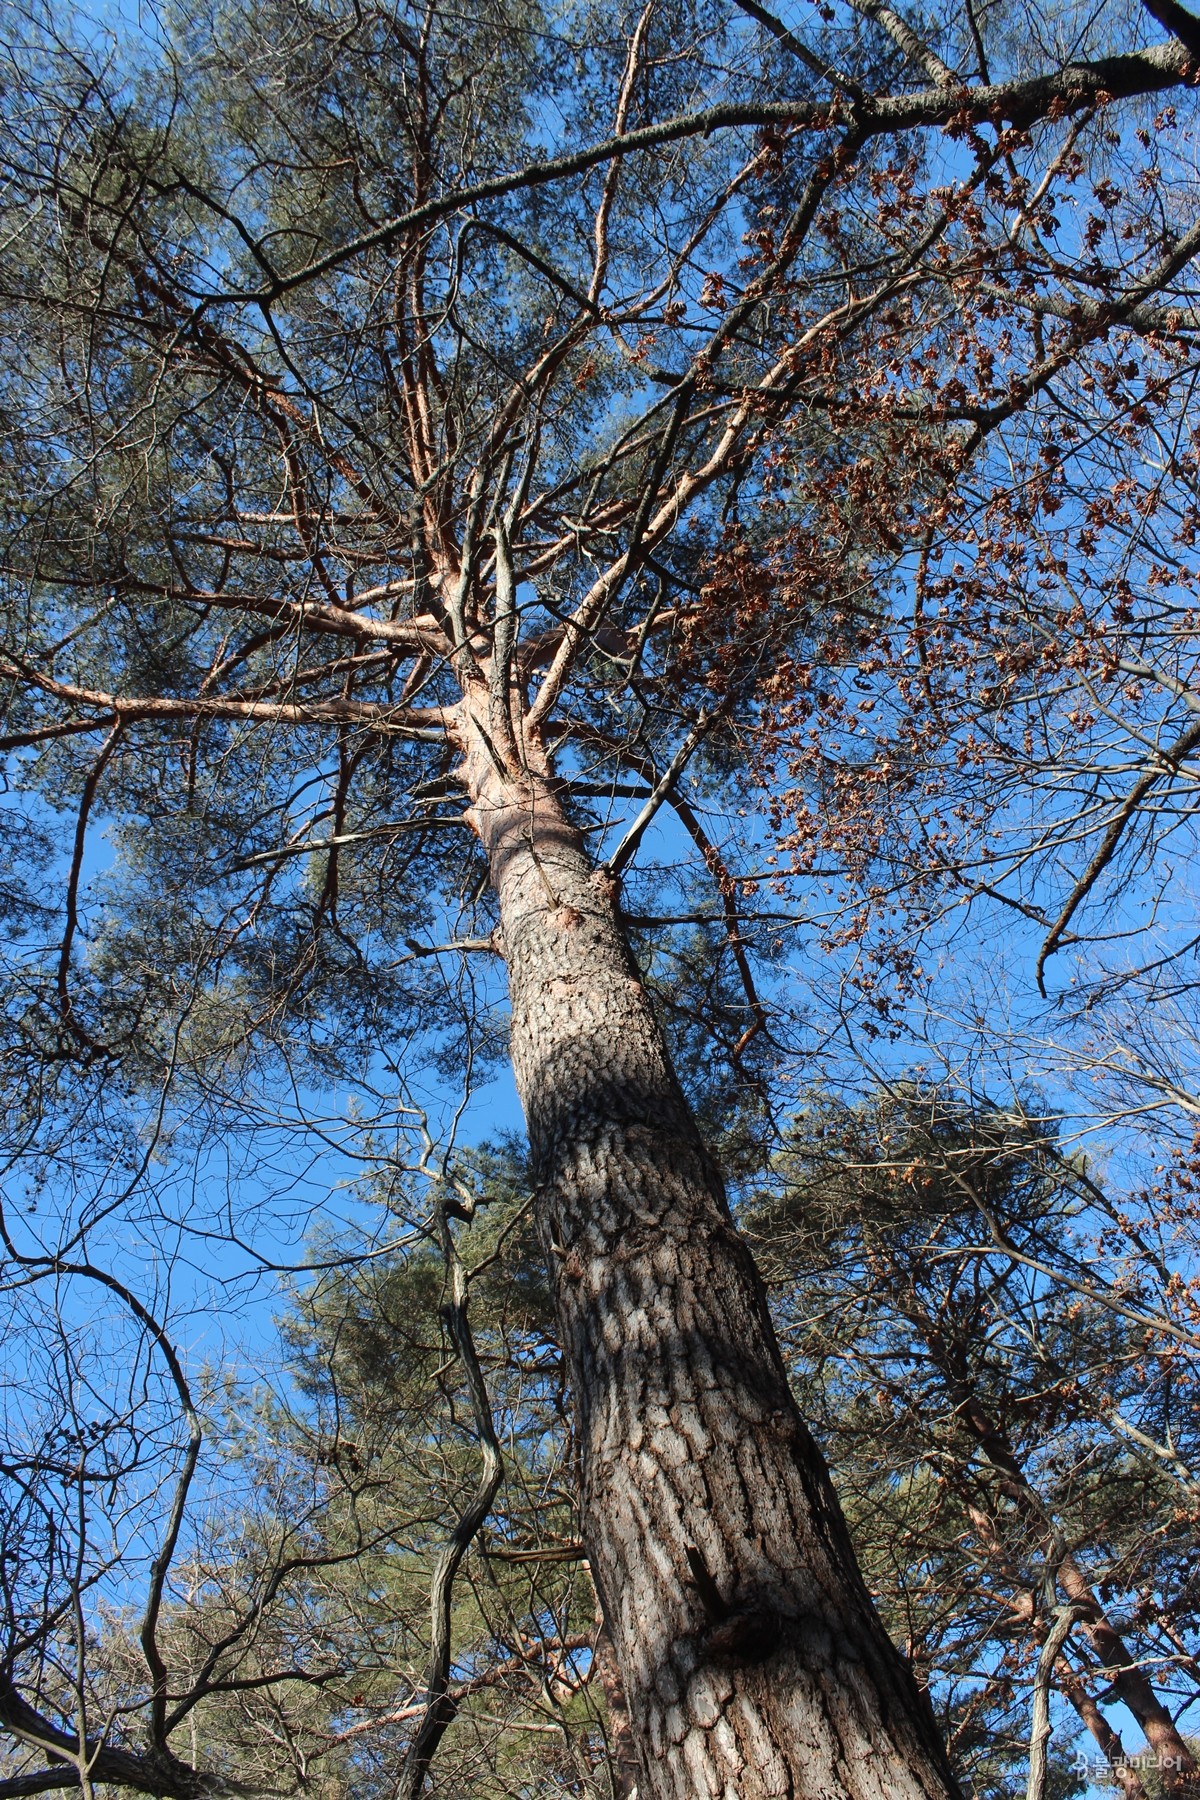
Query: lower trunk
point(751, 1657)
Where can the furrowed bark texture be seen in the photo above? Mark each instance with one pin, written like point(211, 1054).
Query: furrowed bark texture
point(752, 1659)
point(622, 1749)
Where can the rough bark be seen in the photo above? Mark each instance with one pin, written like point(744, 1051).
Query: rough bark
point(752, 1659)
point(622, 1749)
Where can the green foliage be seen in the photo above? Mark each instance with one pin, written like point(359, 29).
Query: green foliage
point(347, 1478)
point(986, 1407)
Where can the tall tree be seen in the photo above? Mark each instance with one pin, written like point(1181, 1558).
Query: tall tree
point(384, 390)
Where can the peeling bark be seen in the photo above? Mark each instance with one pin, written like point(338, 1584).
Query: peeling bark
point(752, 1660)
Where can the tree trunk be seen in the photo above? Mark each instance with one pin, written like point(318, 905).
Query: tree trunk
point(752, 1659)
point(623, 1757)
point(1174, 1759)
point(1124, 1774)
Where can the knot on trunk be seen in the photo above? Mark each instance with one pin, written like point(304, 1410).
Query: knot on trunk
point(743, 1631)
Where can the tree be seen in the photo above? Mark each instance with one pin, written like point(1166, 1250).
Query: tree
point(346, 1485)
point(388, 406)
point(528, 1696)
point(1013, 1444)
point(1013, 1434)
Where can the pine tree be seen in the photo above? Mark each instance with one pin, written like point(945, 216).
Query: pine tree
point(389, 396)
